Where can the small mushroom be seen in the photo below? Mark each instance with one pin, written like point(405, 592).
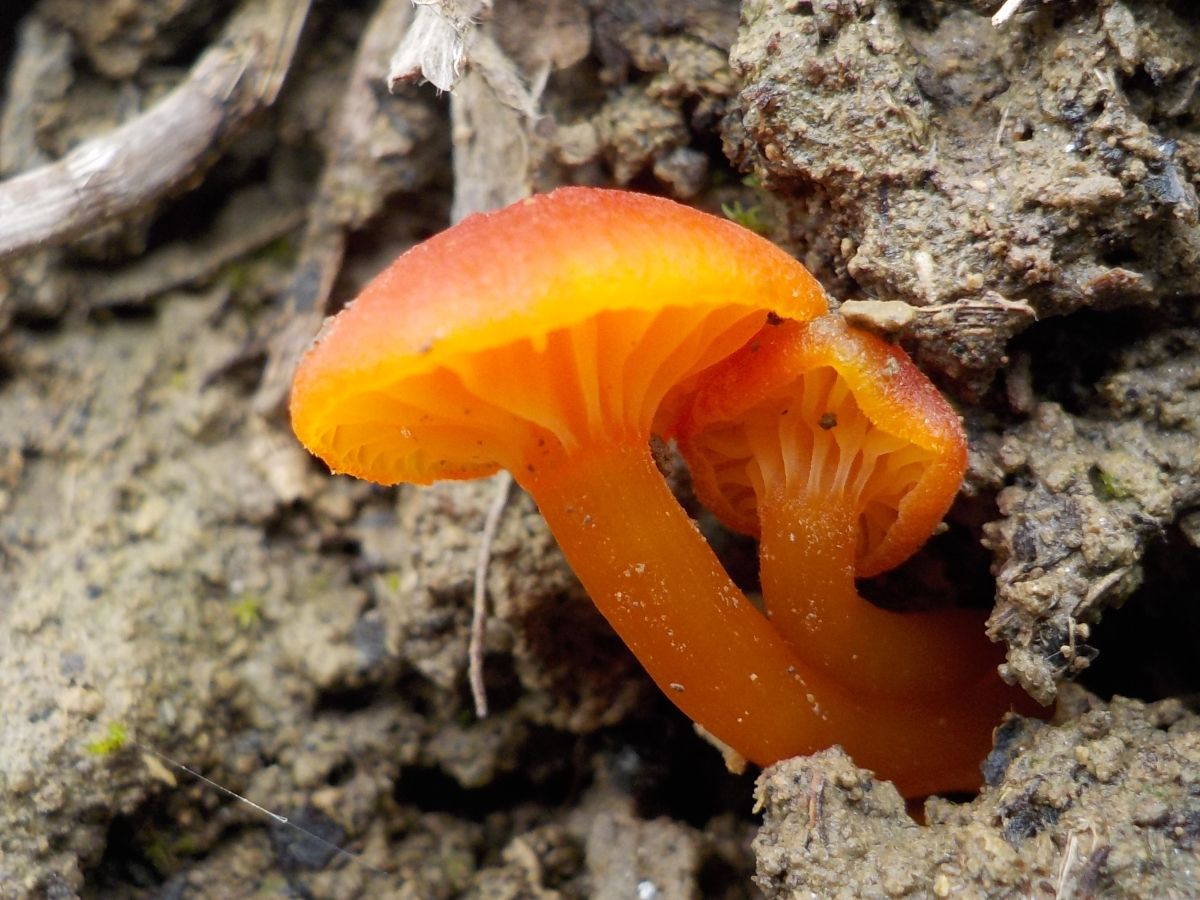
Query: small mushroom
point(839, 455)
point(553, 338)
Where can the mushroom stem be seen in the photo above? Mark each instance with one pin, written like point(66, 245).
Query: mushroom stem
point(807, 560)
point(660, 586)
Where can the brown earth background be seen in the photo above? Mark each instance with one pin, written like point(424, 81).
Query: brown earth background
point(190, 186)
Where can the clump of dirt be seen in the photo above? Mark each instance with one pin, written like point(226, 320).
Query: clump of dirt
point(1105, 804)
point(143, 597)
point(1086, 494)
point(931, 159)
point(647, 101)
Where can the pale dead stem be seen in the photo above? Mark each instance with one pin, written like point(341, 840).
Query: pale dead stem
point(1068, 881)
point(1006, 12)
point(890, 317)
point(1009, 9)
point(491, 524)
point(131, 166)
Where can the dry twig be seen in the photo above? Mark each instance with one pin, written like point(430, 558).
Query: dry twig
point(140, 161)
point(1006, 12)
point(491, 525)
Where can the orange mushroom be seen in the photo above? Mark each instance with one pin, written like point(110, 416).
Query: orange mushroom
point(545, 338)
point(833, 449)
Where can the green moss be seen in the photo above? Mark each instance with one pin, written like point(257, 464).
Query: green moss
point(1105, 486)
point(115, 739)
point(280, 250)
point(316, 584)
point(159, 856)
point(750, 217)
point(458, 866)
point(238, 276)
point(247, 611)
point(244, 273)
point(273, 886)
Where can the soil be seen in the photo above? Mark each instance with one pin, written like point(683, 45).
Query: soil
point(181, 585)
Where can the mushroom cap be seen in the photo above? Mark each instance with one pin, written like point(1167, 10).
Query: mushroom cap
point(835, 411)
point(533, 329)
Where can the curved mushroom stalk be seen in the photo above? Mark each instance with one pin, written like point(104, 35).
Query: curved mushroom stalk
point(654, 578)
point(832, 447)
point(807, 568)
